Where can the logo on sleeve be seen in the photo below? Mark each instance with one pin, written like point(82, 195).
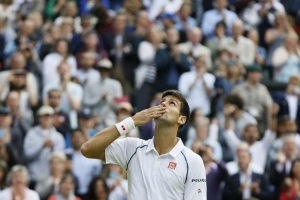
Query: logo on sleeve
point(123, 127)
point(172, 165)
point(198, 180)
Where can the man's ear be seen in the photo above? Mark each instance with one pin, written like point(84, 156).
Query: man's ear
point(181, 120)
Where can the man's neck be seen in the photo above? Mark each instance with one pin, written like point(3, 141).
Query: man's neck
point(251, 83)
point(164, 139)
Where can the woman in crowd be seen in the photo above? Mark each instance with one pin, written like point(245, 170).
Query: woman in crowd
point(98, 189)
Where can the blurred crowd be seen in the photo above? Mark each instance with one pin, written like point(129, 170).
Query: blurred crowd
point(69, 68)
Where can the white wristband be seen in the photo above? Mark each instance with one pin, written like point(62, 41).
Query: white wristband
point(125, 126)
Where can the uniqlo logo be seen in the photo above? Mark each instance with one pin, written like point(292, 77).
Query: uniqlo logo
point(199, 190)
point(172, 165)
point(123, 127)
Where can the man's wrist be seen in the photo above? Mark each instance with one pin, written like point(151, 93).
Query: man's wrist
point(125, 126)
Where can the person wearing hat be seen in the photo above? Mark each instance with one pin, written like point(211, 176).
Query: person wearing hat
point(40, 142)
point(256, 97)
point(87, 122)
point(99, 96)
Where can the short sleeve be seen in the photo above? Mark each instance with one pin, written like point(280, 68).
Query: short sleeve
point(120, 151)
point(195, 187)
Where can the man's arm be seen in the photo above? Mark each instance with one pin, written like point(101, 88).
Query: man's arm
point(95, 147)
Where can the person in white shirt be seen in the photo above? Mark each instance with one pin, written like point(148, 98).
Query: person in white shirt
point(194, 48)
point(19, 179)
point(239, 45)
point(164, 6)
point(87, 73)
point(198, 86)
point(160, 168)
point(212, 17)
point(259, 148)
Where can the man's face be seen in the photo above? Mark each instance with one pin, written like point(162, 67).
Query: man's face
point(87, 60)
point(221, 4)
point(77, 140)
point(244, 159)
point(172, 114)
point(18, 62)
point(251, 134)
point(46, 121)
point(254, 76)
point(54, 99)
point(290, 147)
point(172, 36)
point(195, 36)
point(5, 120)
point(120, 23)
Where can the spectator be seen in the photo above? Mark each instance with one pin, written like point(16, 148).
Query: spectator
point(203, 133)
point(142, 25)
point(256, 97)
point(281, 167)
point(46, 187)
point(246, 184)
point(98, 189)
point(72, 93)
point(257, 148)
point(260, 52)
point(291, 183)
point(61, 118)
point(87, 122)
point(216, 173)
point(40, 142)
point(8, 154)
point(52, 61)
point(66, 189)
point(239, 118)
point(198, 86)
point(87, 73)
point(193, 48)
point(161, 7)
point(225, 83)
point(3, 174)
point(99, 96)
point(241, 46)
point(104, 21)
point(233, 166)
point(19, 179)
point(219, 13)
point(49, 41)
point(83, 168)
point(286, 59)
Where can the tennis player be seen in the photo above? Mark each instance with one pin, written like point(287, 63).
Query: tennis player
point(158, 169)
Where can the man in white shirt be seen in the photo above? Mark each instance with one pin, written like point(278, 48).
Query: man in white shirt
point(212, 17)
point(160, 168)
point(194, 48)
point(197, 86)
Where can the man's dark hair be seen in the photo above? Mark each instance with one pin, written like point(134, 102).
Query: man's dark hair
point(235, 100)
point(77, 130)
point(184, 106)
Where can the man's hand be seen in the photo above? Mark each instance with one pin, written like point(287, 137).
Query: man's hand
point(146, 115)
point(255, 187)
point(48, 143)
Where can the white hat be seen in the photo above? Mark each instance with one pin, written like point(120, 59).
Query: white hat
point(105, 63)
point(46, 110)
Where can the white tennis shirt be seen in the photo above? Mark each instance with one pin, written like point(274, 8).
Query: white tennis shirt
point(178, 175)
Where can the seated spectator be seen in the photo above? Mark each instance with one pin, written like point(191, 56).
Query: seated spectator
point(216, 173)
point(50, 39)
point(203, 133)
point(286, 59)
point(87, 73)
point(40, 142)
point(52, 61)
point(260, 52)
point(19, 179)
point(115, 179)
point(289, 104)
point(61, 118)
point(239, 118)
point(104, 20)
point(99, 96)
point(50, 185)
point(98, 189)
point(258, 148)
point(246, 184)
point(18, 63)
point(281, 167)
point(198, 86)
point(193, 48)
point(83, 168)
point(184, 21)
point(226, 82)
point(72, 93)
point(214, 42)
point(233, 166)
point(256, 97)
point(87, 122)
point(7, 152)
point(291, 186)
point(219, 13)
point(241, 46)
point(66, 189)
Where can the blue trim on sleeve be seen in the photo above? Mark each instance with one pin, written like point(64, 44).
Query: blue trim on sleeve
point(187, 168)
point(134, 154)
